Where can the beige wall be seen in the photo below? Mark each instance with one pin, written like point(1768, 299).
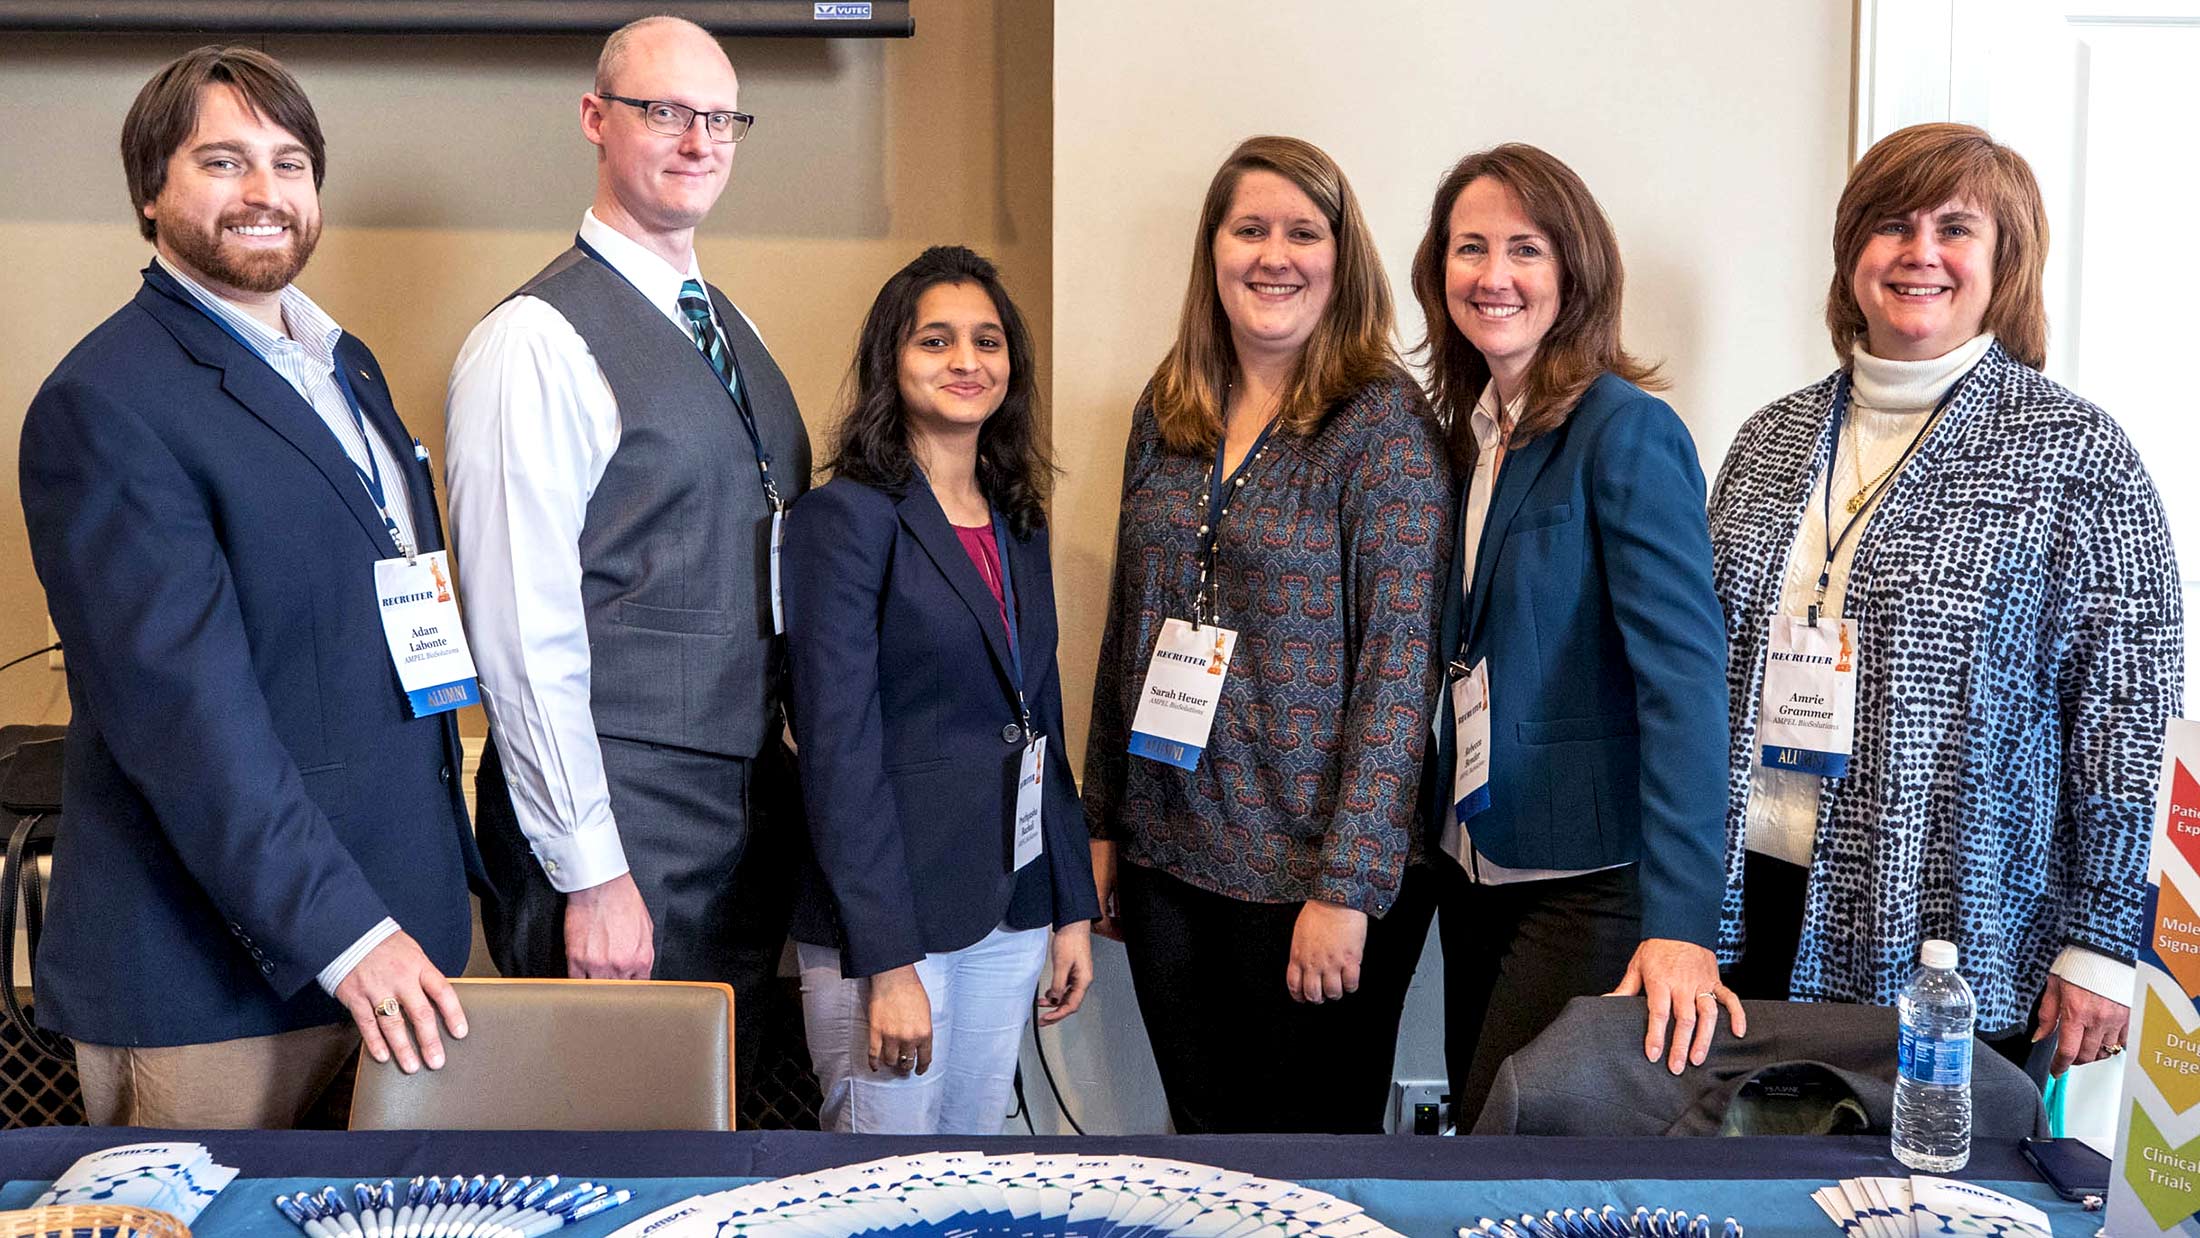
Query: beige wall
point(1714, 132)
point(456, 169)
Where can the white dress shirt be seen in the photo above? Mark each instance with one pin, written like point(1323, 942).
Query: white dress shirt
point(531, 426)
point(305, 357)
point(1489, 431)
point(1888, 402)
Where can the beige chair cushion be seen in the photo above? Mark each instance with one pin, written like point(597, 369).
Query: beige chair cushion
point(568, 1055)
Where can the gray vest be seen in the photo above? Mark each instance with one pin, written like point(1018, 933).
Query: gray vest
point(675, 553)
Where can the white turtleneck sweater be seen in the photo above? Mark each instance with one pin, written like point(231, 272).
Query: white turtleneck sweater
point(1888, 404)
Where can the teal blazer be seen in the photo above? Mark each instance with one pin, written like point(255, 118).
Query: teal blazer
point(1592, 599)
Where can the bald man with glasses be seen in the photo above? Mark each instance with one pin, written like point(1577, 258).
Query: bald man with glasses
point(620, 449)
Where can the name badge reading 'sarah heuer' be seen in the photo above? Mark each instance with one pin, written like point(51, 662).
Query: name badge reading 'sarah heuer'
point(1176, 704)
point(420, 619)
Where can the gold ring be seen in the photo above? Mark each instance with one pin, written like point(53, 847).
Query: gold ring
point(388, 1008)
point(2113, 1050)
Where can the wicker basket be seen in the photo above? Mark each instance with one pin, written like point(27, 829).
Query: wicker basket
point(92, 1220)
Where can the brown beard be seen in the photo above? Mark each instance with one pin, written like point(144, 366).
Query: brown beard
point(249, 271)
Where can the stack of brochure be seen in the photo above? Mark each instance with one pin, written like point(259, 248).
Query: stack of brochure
point(1920, 1205)
point(1030, 1195)
point(179, 1179)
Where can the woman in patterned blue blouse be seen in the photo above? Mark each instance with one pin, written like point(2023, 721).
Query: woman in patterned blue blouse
point(1988, 547)
point(1285, 483)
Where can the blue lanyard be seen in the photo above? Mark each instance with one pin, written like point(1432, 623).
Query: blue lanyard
point(1834, 542)
point(1008, 596)
point(370, 476)
point(1219, 490)
point(738, 392)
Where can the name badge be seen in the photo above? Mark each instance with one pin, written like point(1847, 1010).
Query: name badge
point(1027, 841)
point(779, 615)
point(1176, 705)
point(1806, 720)
point(427, 642)
point(1470, 712)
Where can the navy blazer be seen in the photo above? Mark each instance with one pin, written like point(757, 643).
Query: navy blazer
point(1592, 600)
point(246, 791)
point(904, 718)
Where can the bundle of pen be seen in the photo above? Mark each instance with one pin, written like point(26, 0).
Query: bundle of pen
point(476, 1207)
point(1605, 1222)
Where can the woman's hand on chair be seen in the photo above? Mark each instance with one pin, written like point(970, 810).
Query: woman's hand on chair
point(1680, 982)
point(900, 1015)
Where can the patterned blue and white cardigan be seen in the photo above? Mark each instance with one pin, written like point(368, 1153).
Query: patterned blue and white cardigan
point(2021, 644)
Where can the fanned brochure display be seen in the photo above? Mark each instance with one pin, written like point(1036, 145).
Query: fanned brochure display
point(972, 1195)
point(176, 1178)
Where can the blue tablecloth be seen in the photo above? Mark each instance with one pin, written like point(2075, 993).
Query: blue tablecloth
point(1424, 1187)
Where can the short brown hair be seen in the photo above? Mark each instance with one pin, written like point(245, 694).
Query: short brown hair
point(1583, 342)
point(167, 110)
point(1350, 347)
point(1919, 168)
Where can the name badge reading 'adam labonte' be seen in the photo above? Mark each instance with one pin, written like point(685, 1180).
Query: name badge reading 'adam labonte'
point(420, 620)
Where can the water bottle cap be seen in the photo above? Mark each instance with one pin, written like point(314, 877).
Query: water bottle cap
point(1941, 954)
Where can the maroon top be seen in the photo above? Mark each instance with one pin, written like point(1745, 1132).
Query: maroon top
point(978, 543)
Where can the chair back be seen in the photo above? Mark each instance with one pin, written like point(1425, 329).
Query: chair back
point(568, 1055)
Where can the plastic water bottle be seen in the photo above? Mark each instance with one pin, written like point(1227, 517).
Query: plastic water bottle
point(1932, 1094)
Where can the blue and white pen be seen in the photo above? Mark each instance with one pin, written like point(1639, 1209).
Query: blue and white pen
point(334, 1212)
point(431, 1194)
point(385, 1211)
point(363, 1203)
point(477, 1193)
point(474, 1191)
point(495, 1192)
point(502, 1204)
point(300, 1211)
point(454, 1198)
point(414, 1192)
point(545, 1224)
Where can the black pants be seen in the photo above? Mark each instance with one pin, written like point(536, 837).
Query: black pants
point(1772, 927)
point(708, 841)
point(1772, 931)
point(1514, 955)
point(1236, 1053)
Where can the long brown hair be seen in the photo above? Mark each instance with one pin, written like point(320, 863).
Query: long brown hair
point(872, 442)
point(1583, 341)
point(1917, 169)
point(1350, 347)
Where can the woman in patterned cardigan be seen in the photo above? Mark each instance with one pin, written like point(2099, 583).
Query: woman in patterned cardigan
point(1263, 894)
point(2000, 566)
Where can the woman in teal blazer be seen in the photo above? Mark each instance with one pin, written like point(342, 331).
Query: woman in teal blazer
point(1584, 825)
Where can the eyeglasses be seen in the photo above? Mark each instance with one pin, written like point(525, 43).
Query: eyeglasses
point(674, 119)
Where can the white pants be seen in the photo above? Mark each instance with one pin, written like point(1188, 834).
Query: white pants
point(981, 996)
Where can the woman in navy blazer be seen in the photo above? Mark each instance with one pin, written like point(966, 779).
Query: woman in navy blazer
point(1583, 635)
point(946, 833)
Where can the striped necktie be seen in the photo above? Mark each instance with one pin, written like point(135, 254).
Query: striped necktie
point(695, 303)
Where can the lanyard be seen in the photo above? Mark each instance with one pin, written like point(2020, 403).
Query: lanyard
point(1834, 542)
point(1008, 596)
point(371, 476)
point(1220, 489)
point(738, 391)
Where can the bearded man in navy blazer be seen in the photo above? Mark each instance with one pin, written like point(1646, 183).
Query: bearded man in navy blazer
point(266, 855)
